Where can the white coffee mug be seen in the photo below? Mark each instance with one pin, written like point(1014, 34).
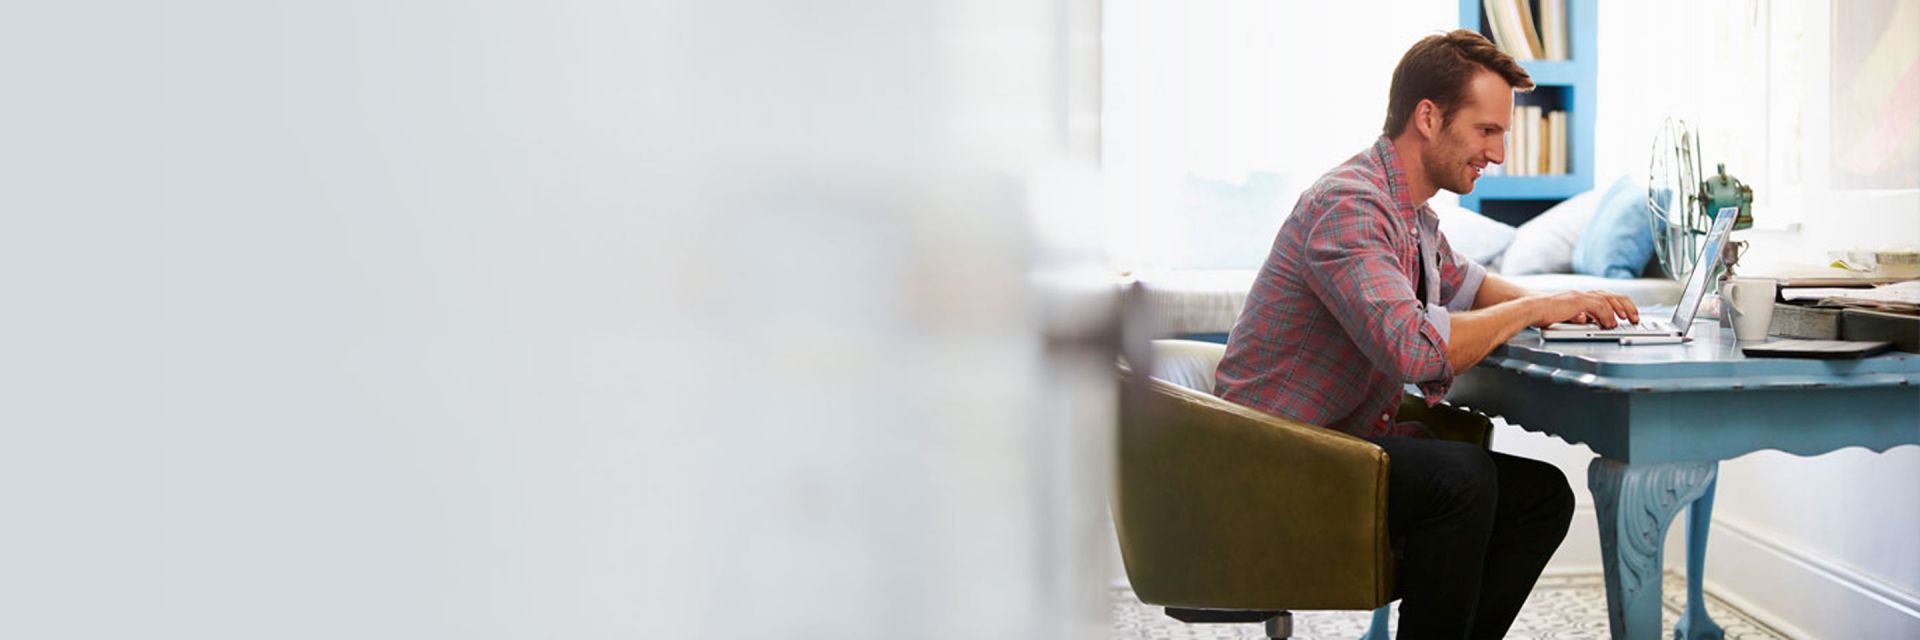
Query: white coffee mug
point(1750, 301)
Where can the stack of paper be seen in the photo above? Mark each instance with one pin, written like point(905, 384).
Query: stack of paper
point(1903, 296)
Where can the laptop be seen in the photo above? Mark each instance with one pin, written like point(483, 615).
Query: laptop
point(1689, 299)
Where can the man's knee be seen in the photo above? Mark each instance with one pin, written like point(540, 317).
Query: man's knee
point(1471, 483)
point(1556, 504)
point(1560, 506)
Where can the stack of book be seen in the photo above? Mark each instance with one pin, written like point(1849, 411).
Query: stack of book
point(1537, 143)
point(1516, 30)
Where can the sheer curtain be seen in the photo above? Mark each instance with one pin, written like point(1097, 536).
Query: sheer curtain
point(1808, 102)
point(1705, 62)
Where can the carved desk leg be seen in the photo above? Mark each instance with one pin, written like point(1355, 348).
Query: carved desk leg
point(1694, 623)
point(1635, 503)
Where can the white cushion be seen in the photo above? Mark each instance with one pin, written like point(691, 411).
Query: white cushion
point(1209, 301)
point(1645, 292)
point(1187, 363)
point(1479, 238)
point(1186, 301)
point(1545, 243)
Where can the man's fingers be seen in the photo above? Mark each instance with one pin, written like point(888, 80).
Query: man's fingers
point(1623, 306)
point(1602, 311)
point(1630, 310)
point(1603, 308)
point(1589, 313)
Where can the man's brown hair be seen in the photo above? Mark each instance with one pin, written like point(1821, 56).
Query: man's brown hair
point(1438, 68)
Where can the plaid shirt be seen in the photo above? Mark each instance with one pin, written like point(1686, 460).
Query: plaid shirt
point(1332, 330)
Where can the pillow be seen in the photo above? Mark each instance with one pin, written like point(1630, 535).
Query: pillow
point(1545, 243)
point(1479, 238)
point(1617, 242)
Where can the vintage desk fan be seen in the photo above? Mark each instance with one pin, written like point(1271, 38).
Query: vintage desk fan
point(1681, 205)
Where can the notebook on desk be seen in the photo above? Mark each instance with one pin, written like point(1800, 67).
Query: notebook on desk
point(1689, 299)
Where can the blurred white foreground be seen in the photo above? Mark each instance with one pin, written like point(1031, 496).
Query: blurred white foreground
point(529, 319)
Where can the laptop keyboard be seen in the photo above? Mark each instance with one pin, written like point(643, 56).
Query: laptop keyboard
point(1645, 325)
point(1650, 325)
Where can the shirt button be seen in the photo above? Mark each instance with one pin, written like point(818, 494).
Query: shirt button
point(1385, 417)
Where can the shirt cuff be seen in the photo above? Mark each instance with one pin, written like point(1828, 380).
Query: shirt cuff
point(1442, 321)
point(1469, 285)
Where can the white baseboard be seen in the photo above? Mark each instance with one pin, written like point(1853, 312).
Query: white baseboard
point(1800, 594)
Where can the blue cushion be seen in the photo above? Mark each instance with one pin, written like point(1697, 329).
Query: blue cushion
point(1617, 243)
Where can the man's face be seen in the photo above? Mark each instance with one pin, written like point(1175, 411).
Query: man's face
point(1474, 138)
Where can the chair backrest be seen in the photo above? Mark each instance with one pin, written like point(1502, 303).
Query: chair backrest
point(1188, 363)
point(1219, 506)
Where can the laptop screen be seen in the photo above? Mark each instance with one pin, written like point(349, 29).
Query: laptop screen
point(1703, 268)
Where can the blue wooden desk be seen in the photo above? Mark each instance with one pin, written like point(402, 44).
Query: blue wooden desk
point(1661, 417)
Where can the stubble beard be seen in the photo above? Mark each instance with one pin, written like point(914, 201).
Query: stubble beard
point(1452, 174)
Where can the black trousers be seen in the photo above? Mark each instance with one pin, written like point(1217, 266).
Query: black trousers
point(1472, 530)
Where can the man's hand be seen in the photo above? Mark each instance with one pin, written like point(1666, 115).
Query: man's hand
point(1476, 332)
point(1581, 307)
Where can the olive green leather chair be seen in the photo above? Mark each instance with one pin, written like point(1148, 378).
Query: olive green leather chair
point(1227, 514)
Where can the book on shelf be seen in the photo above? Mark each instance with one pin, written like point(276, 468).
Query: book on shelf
point(1537, 139)
point(1553, 28)
point(1558, 143)
point(1522, 134)
point(1536, 144)
point(1503, 19)
point(1546, 150)
point(1529, 29)
point(1512, 26)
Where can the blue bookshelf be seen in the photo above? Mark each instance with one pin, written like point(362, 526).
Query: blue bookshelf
point(1567, 85)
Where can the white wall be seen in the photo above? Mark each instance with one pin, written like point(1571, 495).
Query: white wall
point(1227, 90)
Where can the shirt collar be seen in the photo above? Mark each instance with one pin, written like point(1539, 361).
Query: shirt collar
point(1397, 179)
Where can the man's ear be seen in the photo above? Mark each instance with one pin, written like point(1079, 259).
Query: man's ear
point(1426, 116)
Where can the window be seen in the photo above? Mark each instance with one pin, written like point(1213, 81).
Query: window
point(1801, 100)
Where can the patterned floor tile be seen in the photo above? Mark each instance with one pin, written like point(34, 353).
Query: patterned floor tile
point(1568, 607)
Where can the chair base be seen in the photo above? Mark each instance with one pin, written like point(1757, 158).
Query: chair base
point(1279, 624)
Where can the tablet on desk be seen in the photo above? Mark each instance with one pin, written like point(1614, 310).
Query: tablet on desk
point(1825, 349)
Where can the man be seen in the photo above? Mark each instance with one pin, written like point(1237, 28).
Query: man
point(1362, 295)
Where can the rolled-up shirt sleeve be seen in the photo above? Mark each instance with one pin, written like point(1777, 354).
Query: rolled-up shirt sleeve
point(1460, 281)
point(1460, 277)
point(1442, 320)
point(1467, 287)
point(1353, 269)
